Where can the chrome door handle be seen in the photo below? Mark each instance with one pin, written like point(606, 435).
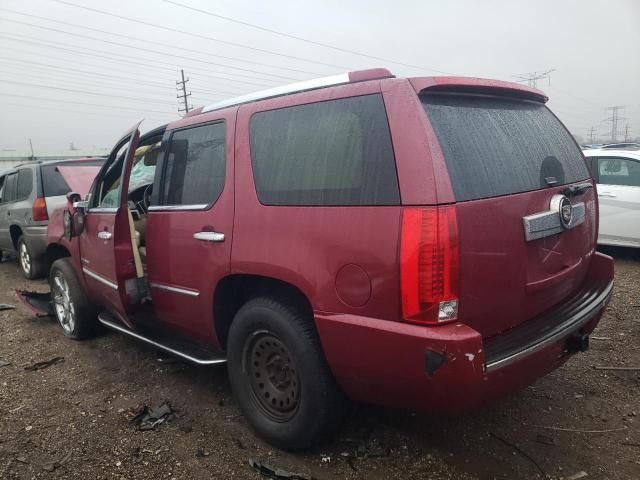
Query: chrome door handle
point(104, 235)
point(607, 194)
point(209, 236)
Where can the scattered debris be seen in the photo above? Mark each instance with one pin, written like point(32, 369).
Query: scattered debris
point(147, 418)
point(6, 306)
point(201, 453)
point(51, 466)
point(545, 440)
point(599, 338)
point(275, 473)
point(630, 444)
point(629, 369)
point(21, 460)
point(44, 364)
point(578, 475)
point(4, 363)
point(578, 430)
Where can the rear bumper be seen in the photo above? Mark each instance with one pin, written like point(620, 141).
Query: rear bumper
point(451, 368)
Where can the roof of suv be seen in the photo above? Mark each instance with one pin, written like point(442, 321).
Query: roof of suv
point(463, 84)
point(54, 162)
point(609, 152)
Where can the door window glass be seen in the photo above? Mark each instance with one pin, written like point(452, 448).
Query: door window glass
point(10, 188)
point(335, 152)
point(195, 166)
point(2, 189)
point(619, 171)
point(25, 184)
point(109, 186)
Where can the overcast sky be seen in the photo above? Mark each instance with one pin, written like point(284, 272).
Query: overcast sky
point(72, 74)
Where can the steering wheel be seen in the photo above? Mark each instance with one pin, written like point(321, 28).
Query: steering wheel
point(146, 197)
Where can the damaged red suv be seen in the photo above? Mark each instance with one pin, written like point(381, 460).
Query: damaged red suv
point(423, 243)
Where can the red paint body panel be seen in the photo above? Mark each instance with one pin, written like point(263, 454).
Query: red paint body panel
point(176, 259)
point(388, 365)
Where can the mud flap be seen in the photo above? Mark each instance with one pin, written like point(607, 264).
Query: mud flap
point(39, 303)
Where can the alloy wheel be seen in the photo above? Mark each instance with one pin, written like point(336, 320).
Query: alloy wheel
point(25, 259)
point(65, 310)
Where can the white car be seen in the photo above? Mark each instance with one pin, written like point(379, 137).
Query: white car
point(617, 173)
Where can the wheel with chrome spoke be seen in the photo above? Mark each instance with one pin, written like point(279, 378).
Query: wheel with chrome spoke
point(31, 267)
point(279, 375)
point(72, 308)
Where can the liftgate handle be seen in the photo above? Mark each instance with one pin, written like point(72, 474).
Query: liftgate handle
point(209, 236)
point(104, 235)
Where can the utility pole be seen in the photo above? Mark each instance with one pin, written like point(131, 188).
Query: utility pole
point(614, 119)
point(33, 157)
point(182, 94)
point(532, 77)
point(626, 132)
point(592, 132)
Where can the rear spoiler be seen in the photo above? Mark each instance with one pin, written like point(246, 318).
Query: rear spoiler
point(477, 86)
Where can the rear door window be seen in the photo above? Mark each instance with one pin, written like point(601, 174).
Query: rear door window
point(495, 146)
point(337, 152)
point(25, 184)
point(619, 171)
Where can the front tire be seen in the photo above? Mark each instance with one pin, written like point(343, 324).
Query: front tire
point(31, 267)
point(280, 377)
point(74, 312)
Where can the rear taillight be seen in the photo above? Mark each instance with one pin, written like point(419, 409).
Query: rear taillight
point(429, 258)
point(39, 211)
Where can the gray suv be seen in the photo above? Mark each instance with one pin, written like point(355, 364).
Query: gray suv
point(29, 194)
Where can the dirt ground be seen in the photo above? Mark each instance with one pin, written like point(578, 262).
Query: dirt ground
point(69, 420)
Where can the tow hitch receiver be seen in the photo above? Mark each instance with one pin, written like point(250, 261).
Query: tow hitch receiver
point(578, 342)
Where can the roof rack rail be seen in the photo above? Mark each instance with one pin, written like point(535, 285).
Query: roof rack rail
point(316, 83)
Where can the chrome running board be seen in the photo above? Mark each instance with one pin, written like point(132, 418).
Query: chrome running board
point(106, 319)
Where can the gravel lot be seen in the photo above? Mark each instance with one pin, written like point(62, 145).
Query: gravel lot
point(70, 419)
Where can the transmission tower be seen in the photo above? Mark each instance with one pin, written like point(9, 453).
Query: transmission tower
point(592, 134)
point(181, 87)
point(532, 77)
point(626, 132)
point(614, 119)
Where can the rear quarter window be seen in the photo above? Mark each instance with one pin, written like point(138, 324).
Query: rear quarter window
point(25, 184)
point(495, 146)
point(335, 152)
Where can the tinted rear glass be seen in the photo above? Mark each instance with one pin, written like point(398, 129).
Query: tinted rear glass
point(336, 152)
point(53, 184)
point(25, 184)
point(495, 146)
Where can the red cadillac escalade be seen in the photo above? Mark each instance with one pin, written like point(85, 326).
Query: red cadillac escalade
point(423, 243)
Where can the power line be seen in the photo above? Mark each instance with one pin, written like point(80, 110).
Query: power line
point(79, 112)
point(213, 39)
point(182, 48)
point(533, 77)
point(86, 92)
point(306, 40)
point(156, 52)
point(120, 58)
point(102, 105)
point(85, 79)
point(106, 75)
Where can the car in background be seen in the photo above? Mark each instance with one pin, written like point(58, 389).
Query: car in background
point(29, 194)
point(617, 174)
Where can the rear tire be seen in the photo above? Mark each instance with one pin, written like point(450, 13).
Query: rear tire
point(31, 267)
point(74, 312)
point(280, 377)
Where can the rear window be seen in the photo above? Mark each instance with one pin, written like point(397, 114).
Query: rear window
point(25, 184)
point(494, 146)
point(336, 152)
point(53, 184)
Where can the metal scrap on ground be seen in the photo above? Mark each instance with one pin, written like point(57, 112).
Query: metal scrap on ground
point(276, 473)
point(148, 418)
point(44, 364)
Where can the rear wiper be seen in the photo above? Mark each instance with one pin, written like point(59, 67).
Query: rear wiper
point(575, 190)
